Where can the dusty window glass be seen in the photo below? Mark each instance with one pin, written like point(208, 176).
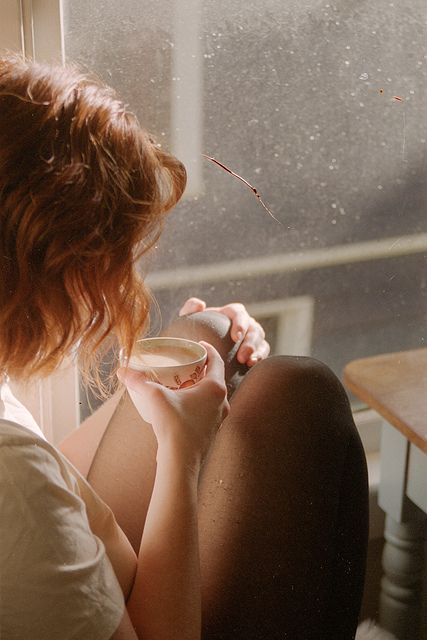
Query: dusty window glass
point(320, 106)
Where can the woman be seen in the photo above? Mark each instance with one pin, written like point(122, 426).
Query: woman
point(253, 530)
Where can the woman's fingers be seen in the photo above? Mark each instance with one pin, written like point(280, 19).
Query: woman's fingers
point(215, 378)
point(214, 364)
point(259, 354)
point(146, 394)
point(137, 381)
point(245, 330)
point(192, 305)
point(131, 378)
point(239, 317)
point(254, 345)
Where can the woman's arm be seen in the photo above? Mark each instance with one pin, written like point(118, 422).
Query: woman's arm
point(165, 601)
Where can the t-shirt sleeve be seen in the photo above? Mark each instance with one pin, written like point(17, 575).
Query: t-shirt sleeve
point(56, 581)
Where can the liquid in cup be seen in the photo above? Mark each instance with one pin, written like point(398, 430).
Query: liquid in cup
point(173, 362)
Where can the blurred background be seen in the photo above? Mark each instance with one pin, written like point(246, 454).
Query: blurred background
point(320, 106)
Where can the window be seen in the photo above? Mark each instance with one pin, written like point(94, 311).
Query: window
point(321, 106)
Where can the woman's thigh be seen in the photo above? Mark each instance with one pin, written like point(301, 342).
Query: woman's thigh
point(279, 523)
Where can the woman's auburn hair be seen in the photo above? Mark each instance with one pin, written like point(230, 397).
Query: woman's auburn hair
point(83, 193)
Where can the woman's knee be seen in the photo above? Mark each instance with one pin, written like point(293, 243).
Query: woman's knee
point(211, 326)
point(295, 392)
point(297, 377)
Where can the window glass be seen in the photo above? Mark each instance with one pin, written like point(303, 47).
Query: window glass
point(321, 107)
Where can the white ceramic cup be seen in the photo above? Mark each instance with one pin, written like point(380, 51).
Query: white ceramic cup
point(173, 362)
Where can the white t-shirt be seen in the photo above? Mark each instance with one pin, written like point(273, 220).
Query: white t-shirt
point(56, 580)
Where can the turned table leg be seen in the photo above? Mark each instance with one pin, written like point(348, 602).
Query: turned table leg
point(401, 585)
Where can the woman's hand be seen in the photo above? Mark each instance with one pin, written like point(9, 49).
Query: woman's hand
point(184, 421)
point(244, 329)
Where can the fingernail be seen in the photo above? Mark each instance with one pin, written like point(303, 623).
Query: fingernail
point(239, 335)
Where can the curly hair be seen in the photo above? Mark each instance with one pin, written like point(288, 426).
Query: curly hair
point(83, 193)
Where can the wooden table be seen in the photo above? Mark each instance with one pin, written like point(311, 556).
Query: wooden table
point(395, 385)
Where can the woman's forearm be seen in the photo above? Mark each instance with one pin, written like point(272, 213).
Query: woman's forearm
point(165, 601)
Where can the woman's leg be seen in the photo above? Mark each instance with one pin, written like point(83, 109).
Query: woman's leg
point(283, 497)
point(283, 510)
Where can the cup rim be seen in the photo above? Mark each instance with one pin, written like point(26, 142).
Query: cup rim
point(125, 361)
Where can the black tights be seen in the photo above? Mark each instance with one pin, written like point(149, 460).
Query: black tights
point(283, 499)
